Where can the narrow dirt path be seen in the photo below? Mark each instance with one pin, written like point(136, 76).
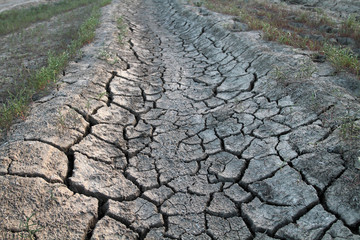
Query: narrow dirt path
point(178, 133)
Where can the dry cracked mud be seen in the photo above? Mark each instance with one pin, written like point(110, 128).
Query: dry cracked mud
point(181, 132)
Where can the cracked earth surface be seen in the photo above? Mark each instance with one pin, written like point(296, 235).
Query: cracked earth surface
point(180, 134)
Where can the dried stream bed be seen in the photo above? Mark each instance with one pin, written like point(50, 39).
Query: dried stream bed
point(182, 132)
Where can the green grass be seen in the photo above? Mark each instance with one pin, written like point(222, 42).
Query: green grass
point(122, 27)
point(290, 74)
point(17, 104)
point(343, 59)
point(14, 20)
point(274, 21)
point(274, 33)
point(351, 28)
point(350, 127)
point(57, 63)
point(30, 228)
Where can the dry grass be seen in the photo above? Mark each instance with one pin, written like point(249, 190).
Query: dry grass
point(309, 30)
point(46, 51)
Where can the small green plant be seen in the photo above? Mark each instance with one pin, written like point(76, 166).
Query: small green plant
point(342, 58)
point(104, 54)
point(88, 108)
point(48, 74)
point(350, 24)
point(271, 33)
point(61, 122)
point(350, 128)
point(198, 3)
point(279, 74)
point(287, 74)
point(302, 17)
point(68, 120)
point(319, 10)
point(291, 74)
point(101, 95)
point(285, 38)
point(108, 57)
point(319, 18)
point(123, 29)
point(315, 103)
point(16, 107)
point(88, 105)
point(30, 228)
point(306, 70)
point(52, 196)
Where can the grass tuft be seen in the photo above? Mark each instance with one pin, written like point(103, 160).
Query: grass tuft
point(123, 29)
point(30, 227)
point(350, 127)
point(351, 27)
point(343, 59)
